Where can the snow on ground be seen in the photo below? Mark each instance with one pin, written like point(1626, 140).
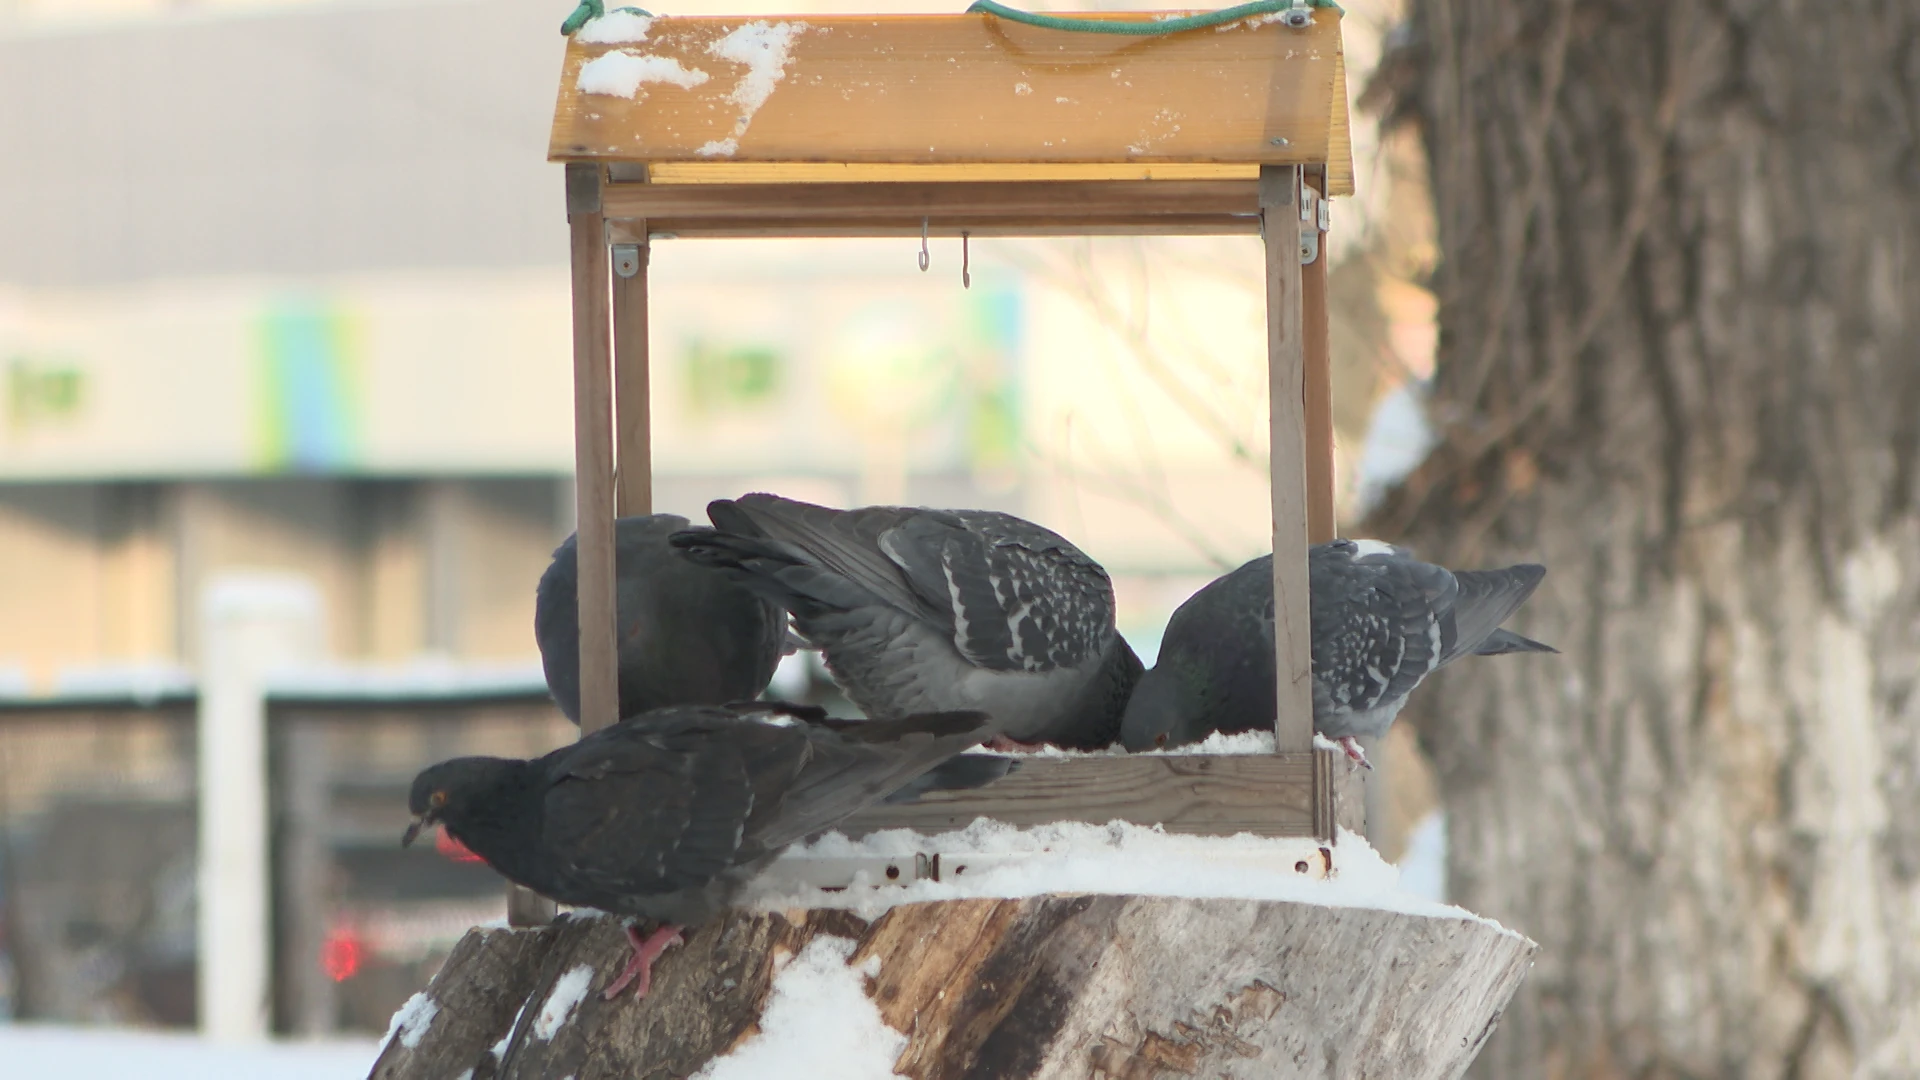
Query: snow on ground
point(999, 860)
point(32, 1052)
point(819, 1022)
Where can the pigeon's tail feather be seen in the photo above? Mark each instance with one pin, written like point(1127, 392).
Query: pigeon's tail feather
point(1486, 599)
point(778, 571)
point(963, 773)
point(866, 763)
point(846, 543)
point(1501, 642)
point(938, 725)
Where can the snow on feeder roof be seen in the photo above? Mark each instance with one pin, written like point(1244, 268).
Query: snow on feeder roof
point(704, 98)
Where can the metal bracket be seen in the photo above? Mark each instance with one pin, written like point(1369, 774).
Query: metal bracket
point(1313, 221)
point(626, 259)
point(1297, 17)
point(583, 188)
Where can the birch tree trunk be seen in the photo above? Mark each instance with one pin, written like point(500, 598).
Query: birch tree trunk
point(1680, 365)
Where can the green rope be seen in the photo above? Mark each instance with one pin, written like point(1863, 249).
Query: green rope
point(1149, 27)
point(592, 9)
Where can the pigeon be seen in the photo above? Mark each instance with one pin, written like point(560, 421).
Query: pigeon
point(687, 635)
point(664, 816)
point(1380, 621)
point(918, 610)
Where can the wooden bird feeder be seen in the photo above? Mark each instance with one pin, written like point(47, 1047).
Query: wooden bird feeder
point(953, 125)
point(884, 126)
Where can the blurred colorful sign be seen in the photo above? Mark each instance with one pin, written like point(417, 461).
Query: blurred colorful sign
point(43, 390)
point(404, 374)
point(882, 375)
point(797, 368)
point(309, 414)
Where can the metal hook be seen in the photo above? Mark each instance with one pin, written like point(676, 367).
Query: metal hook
point(966, 275)
point(923, 245)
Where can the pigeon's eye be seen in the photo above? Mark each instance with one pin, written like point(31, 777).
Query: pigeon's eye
point(439, 799)
point(1160, 739)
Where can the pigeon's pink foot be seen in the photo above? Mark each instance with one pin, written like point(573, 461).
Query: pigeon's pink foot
point(639, 968)
point(1004, 745)
point(1352, 746)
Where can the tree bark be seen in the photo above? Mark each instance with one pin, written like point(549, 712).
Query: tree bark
point(1679, 364)
point(1116, 987)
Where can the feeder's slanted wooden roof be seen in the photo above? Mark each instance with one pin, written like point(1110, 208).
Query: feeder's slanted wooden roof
point(931, 97)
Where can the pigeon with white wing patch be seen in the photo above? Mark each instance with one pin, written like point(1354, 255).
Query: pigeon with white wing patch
point(919, 610)
point(1380, 622)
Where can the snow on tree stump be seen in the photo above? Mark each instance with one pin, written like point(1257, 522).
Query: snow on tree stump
point(1116, 986)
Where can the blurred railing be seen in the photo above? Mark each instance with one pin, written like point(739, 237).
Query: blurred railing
point(100, 874)
point(360, 923)
point(99, 848)
point(97, 858)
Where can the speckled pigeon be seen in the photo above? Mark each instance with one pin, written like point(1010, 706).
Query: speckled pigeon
point(687, 634)
point(665, 815)
point(933, 610)
point(1380, 620)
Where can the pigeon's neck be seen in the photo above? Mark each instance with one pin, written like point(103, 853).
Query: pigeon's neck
point(1097, 721)
point(501, 819)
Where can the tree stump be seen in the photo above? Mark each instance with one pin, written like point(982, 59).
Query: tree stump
point(1120, 987)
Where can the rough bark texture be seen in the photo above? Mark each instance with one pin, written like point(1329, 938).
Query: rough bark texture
point(483, 983)
point(1679, 365)
point(1120, 987)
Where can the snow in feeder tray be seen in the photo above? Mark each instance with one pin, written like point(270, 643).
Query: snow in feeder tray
point(992, 859)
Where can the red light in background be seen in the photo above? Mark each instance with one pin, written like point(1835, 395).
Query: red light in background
point(445, 844)
point(342, 954)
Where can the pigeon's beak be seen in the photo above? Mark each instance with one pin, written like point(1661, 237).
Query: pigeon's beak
point(413, 830)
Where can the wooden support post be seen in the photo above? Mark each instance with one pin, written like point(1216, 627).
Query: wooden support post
point(1340, 791)
point(593, 480)
point(631, 372)
point(1318, 370)
point(1280, 228)
point(593, 448)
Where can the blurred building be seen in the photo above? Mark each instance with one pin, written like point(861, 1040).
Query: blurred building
point(283, 287)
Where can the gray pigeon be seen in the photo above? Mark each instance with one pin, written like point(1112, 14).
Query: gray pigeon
point(1380, 621)
point(687, 635)
point(664, 816)
point(937, 610)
